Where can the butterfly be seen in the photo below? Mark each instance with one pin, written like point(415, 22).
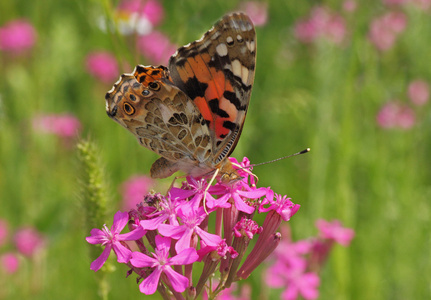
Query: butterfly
point(192, 112)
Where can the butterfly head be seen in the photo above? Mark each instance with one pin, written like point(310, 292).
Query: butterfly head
point(125, 102)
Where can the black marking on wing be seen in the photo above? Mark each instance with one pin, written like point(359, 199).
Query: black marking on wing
point(215, 108)
point(194, 88)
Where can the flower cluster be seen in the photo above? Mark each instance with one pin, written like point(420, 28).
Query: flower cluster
point(385, 29)
point(396, 114)
point(27, 242)
point(17, 36)
point(321, 23)
point(296, 264)
point(177, 229)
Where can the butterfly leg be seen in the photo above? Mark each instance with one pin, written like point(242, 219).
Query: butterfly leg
point(175, 179)
point(207, 189)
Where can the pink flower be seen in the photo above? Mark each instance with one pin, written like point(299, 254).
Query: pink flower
point(282, 205)
point(156, 47)
point(28, 241)
point(4, 231)
point(421, 4)
point(297, 282)
point(10, 262)
point(385, 29)
point(113, 240)
point(240, 193)
point(191, 219)
point(102, 66)
point(197, 190)
point(293, 253)
point(17, 36)
point(134, 189)
point(335, 231)
point(349, 5)
point(168, 211)
point(151, 10)
point(257, 11)
point(161, 263)
point(394, 2)
point(396, 115)
point(321, 24)
point(218, 251)
point(418, 92)
point(247, 227)
point(62, 125)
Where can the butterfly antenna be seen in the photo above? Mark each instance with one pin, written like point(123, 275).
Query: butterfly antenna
point(280, 158)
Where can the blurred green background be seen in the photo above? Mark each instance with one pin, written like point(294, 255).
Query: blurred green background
point(323, 95)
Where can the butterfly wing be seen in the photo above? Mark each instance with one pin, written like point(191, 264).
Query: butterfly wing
point(217, 72)
point(162, 118)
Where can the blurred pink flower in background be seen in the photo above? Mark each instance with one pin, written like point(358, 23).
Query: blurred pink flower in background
point(394, 2)
point(349, 5)
point(257, 11)
point(28, 241)
point(17, 36)
point(335, 231)
point(156, 47)
point(4, 231)
point(102, 65)
point(422, 4)
point(321, 24)
point(151, 10)
point(385, 29)
point(9, 262)
point(134, 189)
point(62, 125)
point(396, 115)
point(418, 92)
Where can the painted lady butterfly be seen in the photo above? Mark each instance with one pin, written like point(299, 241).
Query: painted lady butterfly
point(193, 112)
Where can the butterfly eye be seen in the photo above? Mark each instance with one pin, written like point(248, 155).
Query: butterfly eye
point(145, 92)
point(154, 86)
point(128, 109)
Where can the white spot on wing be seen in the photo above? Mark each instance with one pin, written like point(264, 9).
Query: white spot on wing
point(240, 71)
point(221, 49)
point(251, 46)
point(236, 68)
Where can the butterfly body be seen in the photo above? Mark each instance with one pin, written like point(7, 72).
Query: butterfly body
point(192, 113)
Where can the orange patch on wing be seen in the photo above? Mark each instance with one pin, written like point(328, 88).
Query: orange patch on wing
point(216, 85)
point(149, 75)
point(204, 109)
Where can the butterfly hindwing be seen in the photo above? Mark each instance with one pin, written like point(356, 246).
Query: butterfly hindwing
point(162, 117)
point(217, 72)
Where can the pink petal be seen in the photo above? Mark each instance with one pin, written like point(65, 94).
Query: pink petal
point(179, 282)
point(209, 238)
point(132, 235)
point(184, 241)
point(163, 242)
point(174, 232)
point(123, 254)
point(185, 257)
point(120, 221)
point(149, 285)
point(241, 205)
point(153, 223)
point(141, 260)
point(98, 262)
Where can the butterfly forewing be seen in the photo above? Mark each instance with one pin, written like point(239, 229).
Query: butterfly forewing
point(217, 72)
